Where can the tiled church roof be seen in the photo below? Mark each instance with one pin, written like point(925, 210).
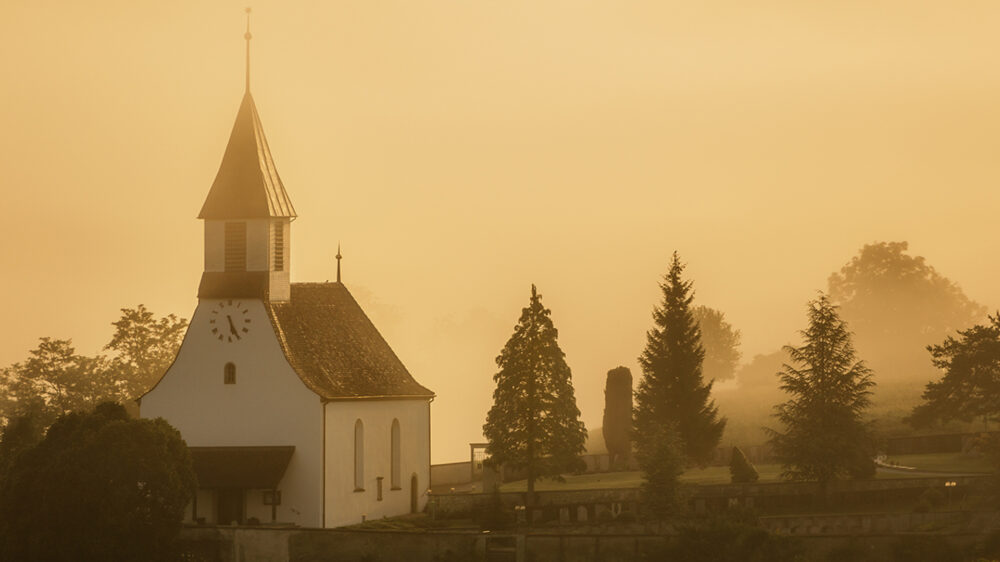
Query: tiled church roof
point(335, 348)
point(247, 185)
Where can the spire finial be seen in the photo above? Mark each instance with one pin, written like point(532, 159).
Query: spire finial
point(248, 37)
point(339, 257)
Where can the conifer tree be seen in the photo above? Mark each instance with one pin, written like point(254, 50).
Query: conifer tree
point(741, 471)
point(617, 426)
point(534, 424)
point(825, 436)
point(672, 392)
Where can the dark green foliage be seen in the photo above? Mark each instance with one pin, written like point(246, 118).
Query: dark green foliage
point(971, 384)
point(534, 424)
point(100, 486)
point(144, 348)
point(729, 540)
point(897, 304)
point(661, 460)
point(56, 380)
point(853, 551)
point(825, 436)
point(495, 516)
point(926, 548)
point(740, 469)
point(721, 342)
point(617, 426)
point(672, 392)
point(21, 434)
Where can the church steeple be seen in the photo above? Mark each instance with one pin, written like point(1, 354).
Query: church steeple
point(247, 214)
point(247, 185)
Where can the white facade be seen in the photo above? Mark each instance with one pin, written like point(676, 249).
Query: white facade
point(267, 406)
point(346, 504)
point(270, 406)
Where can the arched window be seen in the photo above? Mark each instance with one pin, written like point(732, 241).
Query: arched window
point(229, 374)
point(359, 456)
point(395, 485)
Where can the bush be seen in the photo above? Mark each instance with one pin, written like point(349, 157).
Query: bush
point(740, 469)
point(730, 540)
point(926, 548)
point(100, 486)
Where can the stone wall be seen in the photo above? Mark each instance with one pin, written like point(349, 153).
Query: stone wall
point(766, 498)
point(451, 473)
point(232, 544)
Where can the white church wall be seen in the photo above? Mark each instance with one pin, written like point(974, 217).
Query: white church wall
point(268, 406)
point(344, 505)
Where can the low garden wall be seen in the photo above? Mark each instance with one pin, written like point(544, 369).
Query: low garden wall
point(766, 498)
point(241, 544)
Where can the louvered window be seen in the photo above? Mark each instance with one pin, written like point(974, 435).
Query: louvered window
point(236, 246)
point(279, 246)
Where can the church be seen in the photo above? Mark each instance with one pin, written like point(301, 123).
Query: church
point(294, 407)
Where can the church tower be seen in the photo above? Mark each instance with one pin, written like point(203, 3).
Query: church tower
point(247, 216)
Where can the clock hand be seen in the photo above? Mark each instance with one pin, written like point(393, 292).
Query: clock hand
point(232, 328)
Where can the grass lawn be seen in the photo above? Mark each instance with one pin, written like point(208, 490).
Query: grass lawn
point(938, 462)
point(944, 462)
point(596, 481)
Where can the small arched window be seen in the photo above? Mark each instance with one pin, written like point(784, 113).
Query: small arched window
point(359, 456)
point(229, 374)
point(396, 485)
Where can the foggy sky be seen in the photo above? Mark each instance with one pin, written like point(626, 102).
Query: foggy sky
point(461, 151)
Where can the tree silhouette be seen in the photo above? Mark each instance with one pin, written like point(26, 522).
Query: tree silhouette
point(672, 392)
point(970, 388)
point(617, 426)
point(825, 436)
point(534, 424)
point(100, 486)
point(721, 342)
point(897, 305)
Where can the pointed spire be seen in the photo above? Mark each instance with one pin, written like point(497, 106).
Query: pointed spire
point(338, 262)
point(248, 37)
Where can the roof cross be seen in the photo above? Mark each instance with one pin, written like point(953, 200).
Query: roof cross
point(338, 262)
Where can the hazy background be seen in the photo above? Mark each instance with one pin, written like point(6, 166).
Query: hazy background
point(461, 151)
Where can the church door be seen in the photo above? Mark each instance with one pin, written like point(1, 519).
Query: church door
point(230, 506)
point(413, 494)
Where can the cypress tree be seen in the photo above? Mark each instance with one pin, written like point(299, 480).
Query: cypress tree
point(672, 392)
point(617, 426)
point(534, 424)
point(825, 436)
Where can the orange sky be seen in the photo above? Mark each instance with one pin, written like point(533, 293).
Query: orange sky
point(461, 151)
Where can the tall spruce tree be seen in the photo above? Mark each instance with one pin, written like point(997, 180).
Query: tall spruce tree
point(672, 392)
point(825, 437)
point(534, 424)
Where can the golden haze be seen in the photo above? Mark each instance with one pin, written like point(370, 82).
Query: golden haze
point(461, 151)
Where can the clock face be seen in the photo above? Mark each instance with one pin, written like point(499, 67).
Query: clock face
point(230, 321)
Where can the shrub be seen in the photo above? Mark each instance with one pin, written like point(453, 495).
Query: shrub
point(729, 540)
point(740, 469)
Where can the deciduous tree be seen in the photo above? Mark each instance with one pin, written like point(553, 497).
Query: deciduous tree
point(721, 342)
point(824, 435)
point(897, 304)
point(144, 347)
point(672, 392)
point(100, 486)
point(534, 424)
point(970, 388)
